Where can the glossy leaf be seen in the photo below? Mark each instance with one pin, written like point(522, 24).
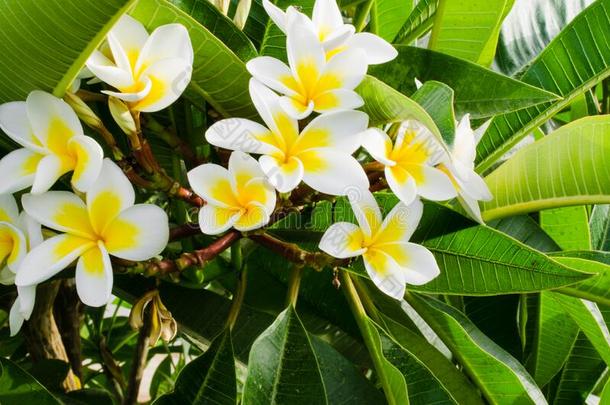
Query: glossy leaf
point(388, 16)
point(437, 99)
point(596, 289)
point(526, 230)
point(599, 224)
point(561, 69)
point(478, 91)
point(418, 22)
point(17, 386)
point(568, 226)
point(43, 53)
point(568, 167)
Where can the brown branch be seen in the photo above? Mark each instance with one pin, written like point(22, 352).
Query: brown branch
point(139, 360)
point(172, 139)
point(184, 231)
point(68, 312)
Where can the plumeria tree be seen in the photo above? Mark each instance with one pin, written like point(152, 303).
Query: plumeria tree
point(313, 202)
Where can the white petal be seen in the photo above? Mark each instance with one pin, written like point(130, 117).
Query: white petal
point(169, 79)
point(9, 212)
point(379, 145)
point(49, 170)
point(342, 240)
point(89, 157)
point(348, 67)
point(109, 195)
point(138, 233)
point(401, 183)
point(295, 109)
point(133, 97)
point(16, 249)
point(15, 319)
point(421, 267)
point(105, 70)
point(242, 165)
point(464, 145)
point(304, 50)
point(213, 183)
point(50, 257)
point(285, 177)
point(32, 230)
point(377, 50)
point(15, 123)
point(475, 187)
point(267, 104)
point(273, 73)
point(341, 130)
point(214, 220)
point(94, 277)
point(241, 134)
point(169, 41)
point(436, 186)
point(400, 223)
point(366, 210)
point(387, 275)
point(131, 35)
point(338, 99)
point(332, 172)
point(49, 115)
point(20, 167)
point(471, 206)
point(59, 210)
point(256, 216)
point(326, 15)
point(338, 37)
point(276, 14)
point(119, 55)
point(27, 299)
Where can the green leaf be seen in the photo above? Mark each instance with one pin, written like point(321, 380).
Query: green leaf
point(388, 16)
point(479, 91)
point(44, 45)
point(437, 99)
point(256, 23)
point(501, 378)
point(553, 334)
point(571, 64)
point(419, 21)
point(219, 75)
point(222, 27)
point(600, 227)
point(209, 379)
point(18, 387)
point(526, 230)
point(482, 17)
point(568, 226)
point(568, 167)
point(596, 289)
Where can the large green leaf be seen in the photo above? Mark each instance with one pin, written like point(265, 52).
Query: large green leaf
point(553, 333)
point(219, 75)
point(596, 288)
point(572, 63)
point(419, 21)
point(568, 167)
point(437, 99)
point(599, 224)
point(482, 17)
point(478, 91)
point(388, 16)
point(501, 378)
point(209, 379)
point(45, 44)
point(19, 387)
point(568, 226)
point(526, 230)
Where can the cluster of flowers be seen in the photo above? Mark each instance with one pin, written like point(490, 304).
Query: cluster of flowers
point(327, 60)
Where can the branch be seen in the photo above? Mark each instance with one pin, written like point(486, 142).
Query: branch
point(139, 360)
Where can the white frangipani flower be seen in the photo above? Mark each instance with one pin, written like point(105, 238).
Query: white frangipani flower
point(310, 82)
point(18, 234)
point(149, 72)
point(389, 258)
point(239, 197)
point(471, 187)
point(53, 145)
point(335, 36)
point(409, 162)
point(108, 223)
point(320, 155)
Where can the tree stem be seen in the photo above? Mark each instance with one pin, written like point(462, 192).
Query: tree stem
point(139, 360)
point(293, 285)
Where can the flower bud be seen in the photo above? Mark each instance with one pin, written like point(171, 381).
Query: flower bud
point(121, 114)
point(83, 111)
point(241, 14)
point(162, 324)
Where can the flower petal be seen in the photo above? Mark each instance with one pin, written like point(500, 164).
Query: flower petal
point(89, 157)
point(345, 70)
point(332, 172)
point(276, 14)
point(401, 183)
point(399, 224)
point(94, 277)
point(295, 108)
point(255, 216)
point(131, 35)
point(13, 246)
point(241, 134)
point(49, 170)
point(27, 298)
point(435, 185)
point(105, 70)
point(59, 210)
point(335, 41)
point(284, 176)
point(379, 145)
point(15, 319)
point(32, 230)
point(15, 123)
point(52, 120)
point(214, 220)
point(326, 16)
point(20, 168)
point(306, 56)
point(169, 78)
point(376, 49)
point(338, 99)
point(273, 73)
point(464, 148)
point(50, 257)
point(341, 130)
point(138, 233)
point(213, 183)
point(420, 266)
point(342, 240)
point(475, 187)
point(366, 210)
point(387, 275)
point(133, 96)
point(9, 212)
point(108, 196)
point(471, 206)
point(170, 41)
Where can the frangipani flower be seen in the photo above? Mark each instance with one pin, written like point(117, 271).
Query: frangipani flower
point(108, 223)
point(239, 197)
point(335, 36)
point(409, 162)
point(18, 234)
point(53, 145)
point(149, 72)
point(470, 186)
point(320, 155)
point(389, 258)
point(311, 83)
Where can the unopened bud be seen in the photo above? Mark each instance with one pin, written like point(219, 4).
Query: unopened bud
point(162, 324)
point(241, 14)
point(83, 111)
point(121, 114)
